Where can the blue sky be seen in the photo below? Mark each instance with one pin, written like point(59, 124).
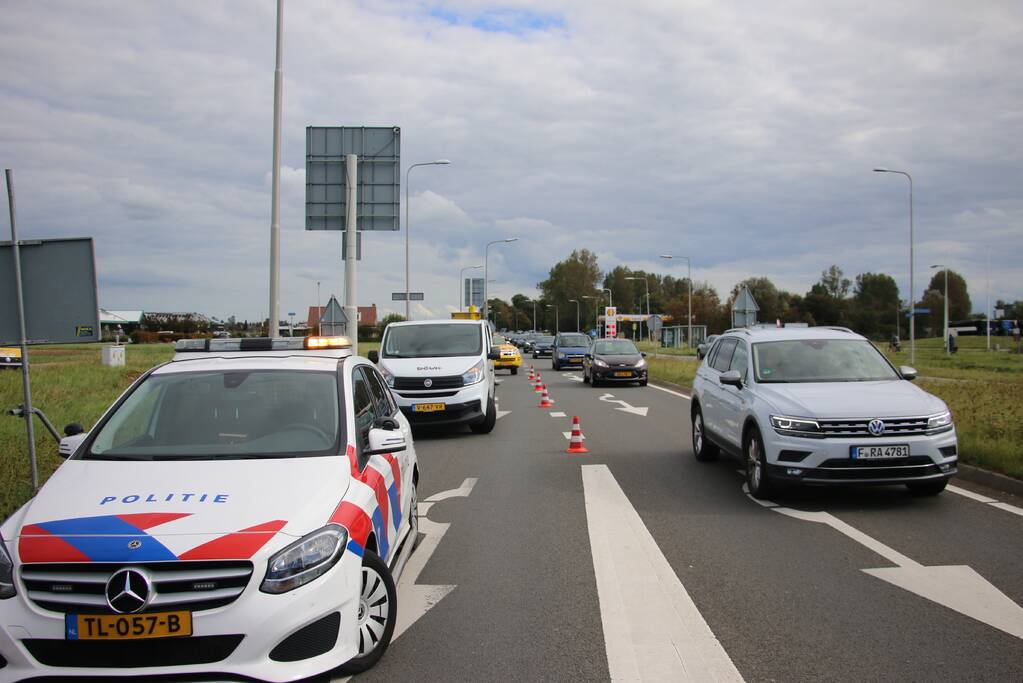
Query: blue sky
point(741, 134)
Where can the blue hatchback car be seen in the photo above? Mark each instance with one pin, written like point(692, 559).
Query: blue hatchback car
point(569, 349)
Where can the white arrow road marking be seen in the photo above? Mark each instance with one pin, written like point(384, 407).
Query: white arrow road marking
point(415, 599)
point(652, 628)
point(984, 499)
point(557, 413)
point(609, 398)
point(957, 587)
point(574, 378)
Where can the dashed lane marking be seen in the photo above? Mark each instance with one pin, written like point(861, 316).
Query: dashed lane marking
point(984, 499)
point(557, 413)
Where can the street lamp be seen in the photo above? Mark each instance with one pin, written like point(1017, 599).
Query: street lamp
point(647, 283)
point(576, 302)
point(461, 279)
point(912, 302)
point(486, 264)
point(596, 302)
point(948, 348)
point(533, 301)
point(689, 276)
point(438, 162)
point(557, 317)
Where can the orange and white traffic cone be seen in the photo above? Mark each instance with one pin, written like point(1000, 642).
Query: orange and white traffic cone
point(575, 444)
point(538, 386)
point(545, 399)
point(530, 376)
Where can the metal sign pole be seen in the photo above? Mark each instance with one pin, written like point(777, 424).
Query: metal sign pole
point(29, 426)
point(351, 303)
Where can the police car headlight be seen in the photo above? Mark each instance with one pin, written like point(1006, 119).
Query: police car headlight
point(304, 560)
point(940, 423)
point(6, 573)
point(473, 374)
point(388, 377)
point(599, 363)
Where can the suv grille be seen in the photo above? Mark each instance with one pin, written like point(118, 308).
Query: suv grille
point(895, 426)
point(413, 383)
point(74, 587)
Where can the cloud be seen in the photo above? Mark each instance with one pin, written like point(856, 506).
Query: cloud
point(742, 135)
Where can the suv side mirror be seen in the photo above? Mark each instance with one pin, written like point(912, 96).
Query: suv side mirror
point(643, 353)
point(908, 373)
point(383, 441)
point(731, 378)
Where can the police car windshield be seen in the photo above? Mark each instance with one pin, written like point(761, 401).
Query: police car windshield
point(224, 415)
point(432, 341)
point(820, 360)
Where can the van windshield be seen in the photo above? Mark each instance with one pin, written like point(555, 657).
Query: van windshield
point(432, 341)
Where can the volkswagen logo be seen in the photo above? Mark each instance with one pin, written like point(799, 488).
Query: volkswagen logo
point(876, 427)
point(129, 591)
point(427, 382)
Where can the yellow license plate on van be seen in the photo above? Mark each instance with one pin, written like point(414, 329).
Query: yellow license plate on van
point(429, 407)
point(128, 626)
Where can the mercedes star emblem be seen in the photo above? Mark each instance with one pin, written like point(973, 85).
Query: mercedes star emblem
point(128, 591)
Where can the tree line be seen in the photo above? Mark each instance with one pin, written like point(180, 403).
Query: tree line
point(870, 303)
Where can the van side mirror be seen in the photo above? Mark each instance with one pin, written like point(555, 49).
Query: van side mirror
point(493, 354)
point(373, 356)
point(908, 373)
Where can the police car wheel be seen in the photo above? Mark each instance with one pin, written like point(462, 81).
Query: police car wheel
point(378, 609)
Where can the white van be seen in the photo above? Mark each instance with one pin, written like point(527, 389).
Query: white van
point(441, 371)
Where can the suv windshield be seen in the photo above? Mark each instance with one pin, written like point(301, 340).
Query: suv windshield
point(820, 360)
point(574, 340)
point(224, 415)
point(615, 347)
point(432, 341)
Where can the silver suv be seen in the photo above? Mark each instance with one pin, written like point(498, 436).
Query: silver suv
point(819, 406)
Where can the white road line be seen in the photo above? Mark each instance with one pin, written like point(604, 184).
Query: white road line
point(652, 628)
point(984, 499)
point(557, 413)
point(670, 391)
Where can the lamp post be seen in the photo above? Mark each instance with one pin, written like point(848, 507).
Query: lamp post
point(647, 283)
point(461, 279)
point(576, 302)
point(912, 302)
point(533, 301)
point(486, 268)
point(318, 307)
point(689, 277)
point(438, 162)
point(948, 349)
point(596, 302)
point(557, 317)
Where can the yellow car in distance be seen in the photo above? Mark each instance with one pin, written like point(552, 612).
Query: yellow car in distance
point(510, 356)
point(10, 357)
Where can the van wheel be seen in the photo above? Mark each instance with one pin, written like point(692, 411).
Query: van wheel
point(378, 610)
point(486, 425)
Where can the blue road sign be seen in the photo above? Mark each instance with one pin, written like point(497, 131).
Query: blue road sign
point(921, 311)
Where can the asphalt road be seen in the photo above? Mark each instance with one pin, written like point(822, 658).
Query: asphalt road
point(786, 597)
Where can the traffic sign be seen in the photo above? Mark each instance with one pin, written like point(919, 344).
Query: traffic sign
point(400, 296)
point(921, 311)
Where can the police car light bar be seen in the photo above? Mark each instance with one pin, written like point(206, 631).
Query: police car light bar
point(261, 344)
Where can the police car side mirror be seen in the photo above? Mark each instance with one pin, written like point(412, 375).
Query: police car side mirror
point(908, 372)
point(69, 444)
point(384, 441)
point(73, 428)
point(373, 356)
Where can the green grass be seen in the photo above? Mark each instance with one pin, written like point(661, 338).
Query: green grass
point(973, 361)
point(676, 371)
point(70, 385)
point(655, 347)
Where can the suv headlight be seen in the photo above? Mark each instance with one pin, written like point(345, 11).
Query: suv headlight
point(473, 374)
point(388, 377)
point(6, 573)
point(940, 423)
point(795, 426)
point(305, 559)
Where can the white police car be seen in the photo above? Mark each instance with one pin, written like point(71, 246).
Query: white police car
point(243, 510)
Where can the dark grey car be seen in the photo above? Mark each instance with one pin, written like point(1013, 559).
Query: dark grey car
point(614, 360)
